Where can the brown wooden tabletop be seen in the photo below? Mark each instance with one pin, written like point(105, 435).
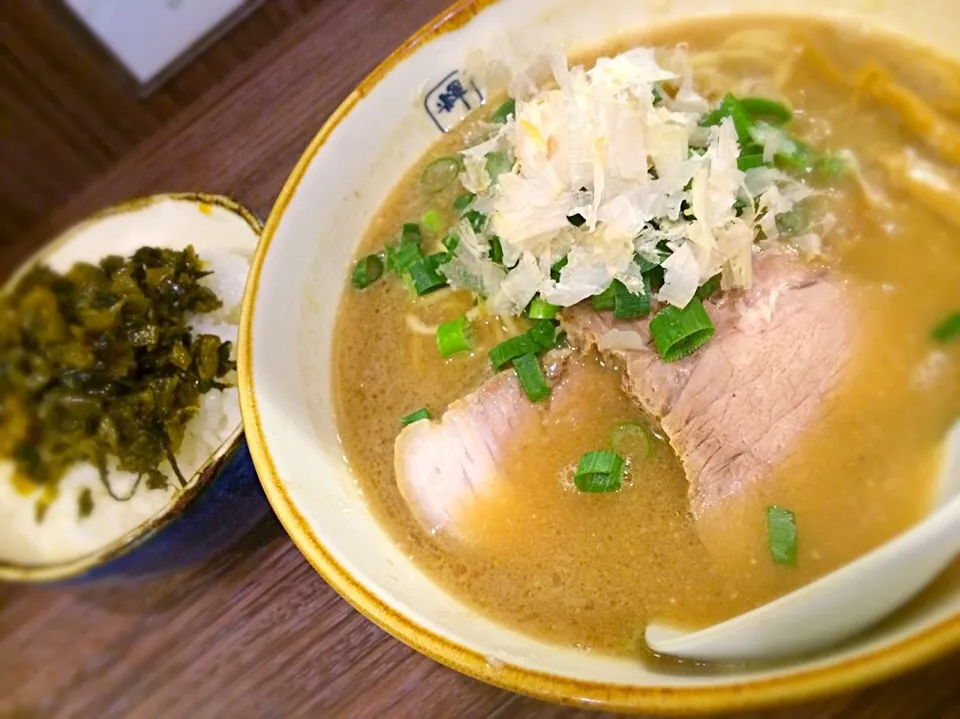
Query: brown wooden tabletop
point(256, 632)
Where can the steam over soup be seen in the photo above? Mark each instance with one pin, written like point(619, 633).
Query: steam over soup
point(671, 334)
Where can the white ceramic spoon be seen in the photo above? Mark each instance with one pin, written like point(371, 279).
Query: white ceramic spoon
point(843, 602)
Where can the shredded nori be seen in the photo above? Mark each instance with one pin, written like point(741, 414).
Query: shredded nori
point(100, 363)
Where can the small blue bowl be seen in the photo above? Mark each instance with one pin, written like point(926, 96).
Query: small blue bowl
point(222, 501)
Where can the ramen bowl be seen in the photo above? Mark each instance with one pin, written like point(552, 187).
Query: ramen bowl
point(286, 332)
point(155, 530)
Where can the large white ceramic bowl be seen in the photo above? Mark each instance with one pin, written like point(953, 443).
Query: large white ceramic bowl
point(285, 359)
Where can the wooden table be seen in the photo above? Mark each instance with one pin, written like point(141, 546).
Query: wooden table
point(256, 633)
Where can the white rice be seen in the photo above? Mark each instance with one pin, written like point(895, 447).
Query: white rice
point(62, 535)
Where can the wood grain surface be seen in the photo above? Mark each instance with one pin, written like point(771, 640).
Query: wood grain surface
point(256, 633)
point(69, 111)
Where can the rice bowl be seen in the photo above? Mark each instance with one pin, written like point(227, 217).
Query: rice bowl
point(225, 236)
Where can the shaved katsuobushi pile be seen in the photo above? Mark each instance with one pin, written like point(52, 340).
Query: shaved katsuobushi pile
point(636, 314)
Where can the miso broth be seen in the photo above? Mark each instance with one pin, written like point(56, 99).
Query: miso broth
point(590, 570)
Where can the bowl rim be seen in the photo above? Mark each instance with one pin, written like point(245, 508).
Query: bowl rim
point(143, 532)
point(746, 694)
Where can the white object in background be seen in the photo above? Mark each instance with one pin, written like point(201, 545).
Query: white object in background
point(843, 602)
point(146, 36)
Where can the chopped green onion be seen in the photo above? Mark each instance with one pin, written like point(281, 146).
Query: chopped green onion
point(511, 348)
point(411, 233)
point(424, 276)
point(750, 162)
point(646, 265)
point(802, 157)
point(542, 310)
point(740, 204)
point(431, 220)
point(678, 333)
point(477, 220)
point(498, 163)
point(709, 288)
point(782, 535)
point(731, 107)
point(761, 108)
point(368, 270)
point(421, 413)
point(440, 174)
point(496, 250)
point(631, 440)
point(454, 336)
point(451, 241)
point(599, 471)
point(795, 221)
point(543, 334)
point(628, 306)
point(949, 329)
point(606, 300)
point(504, 111)
point(464, 201)
point(830, 166)
point(531, 377)
point(557, 268)
point(658, 94)
point(402, 257)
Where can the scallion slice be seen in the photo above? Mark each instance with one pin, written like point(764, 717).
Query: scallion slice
point(496, 250)
point(646, 264)
point(508, 350)
point(431, 220)
point(411, 233)
point(830, 166)
point(531, 377)
point(498, 163)
point(949, 329)
point(451, 241)
point(503, 112)
point(367, 271)
point(782, 535)
point(678, 333)
point(802, 157)
point(540, 309)
point(464, 201)
point(730, 107)
point(709, 288)
point(606, 300)
point(544, 334)
point(557, 268)
point(421, 413)
point(599, 471)
point(401, 257)
point(760, 108)
point(750, 162)
point(628, 306)
point(454, 336)
point(424, 276)
point(477, 220)
point(440, 174)
point(795, 221)
point(632, 440)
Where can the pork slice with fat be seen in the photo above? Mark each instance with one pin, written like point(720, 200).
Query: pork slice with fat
point(733, 409)
point(442, 466)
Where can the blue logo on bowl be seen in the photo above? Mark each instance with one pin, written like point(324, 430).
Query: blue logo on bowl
point(452, 99)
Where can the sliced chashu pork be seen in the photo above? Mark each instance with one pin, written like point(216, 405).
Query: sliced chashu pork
point(734, 409)
point(443, 465)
